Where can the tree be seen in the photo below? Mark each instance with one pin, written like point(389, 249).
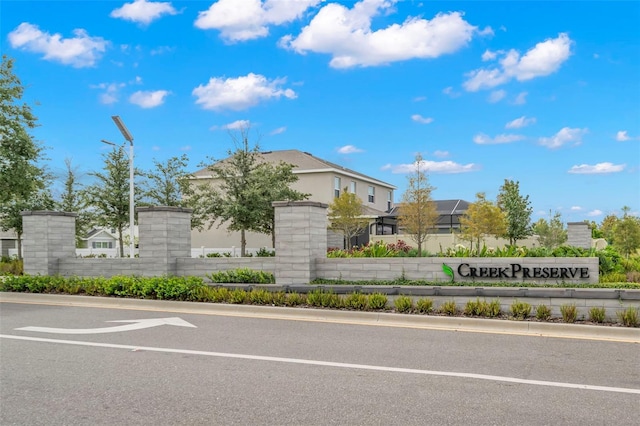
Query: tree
point(20, 174)
point(417, 213)
point(345, 216)
point(109, 196)
point(482, 218)
point(626, 233)
point(166, 183)
point(73, 199)
point(243, 188)
point(517, 210)
point(550, 233)
point(11, 217)
point(607, 226)
point(275, 182)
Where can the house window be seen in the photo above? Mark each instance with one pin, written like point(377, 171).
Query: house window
point(336, 187)
point(352, 187)
point(389, 197)
point(372, 194)
point(102, 244)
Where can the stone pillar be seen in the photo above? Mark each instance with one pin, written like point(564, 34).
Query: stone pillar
point(579, 235)
point(301, 237)
point(164, 235)
point(47, 237)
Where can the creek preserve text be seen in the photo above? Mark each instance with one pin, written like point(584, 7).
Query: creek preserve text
point(515, 270)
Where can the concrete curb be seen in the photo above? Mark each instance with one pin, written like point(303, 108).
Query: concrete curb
point(498, 326)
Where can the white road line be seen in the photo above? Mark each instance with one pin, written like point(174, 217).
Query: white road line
point(330, 364)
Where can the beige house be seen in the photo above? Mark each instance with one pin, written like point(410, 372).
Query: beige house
point(320, 178)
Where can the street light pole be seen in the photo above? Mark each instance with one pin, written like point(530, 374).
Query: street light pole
point(125, 132)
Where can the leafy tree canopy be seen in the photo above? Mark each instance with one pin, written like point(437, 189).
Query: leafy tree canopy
point(517, 209)
point(345, 216)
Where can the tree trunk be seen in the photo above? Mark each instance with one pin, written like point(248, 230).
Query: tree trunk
point(121, 241)
point(243, 243)
point(419, 249)
point(273, 233)
point(19, 242)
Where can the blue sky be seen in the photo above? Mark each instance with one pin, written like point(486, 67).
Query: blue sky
point(545, 93)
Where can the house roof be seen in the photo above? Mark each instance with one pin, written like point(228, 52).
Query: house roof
point(305, 162)
point(97, 231)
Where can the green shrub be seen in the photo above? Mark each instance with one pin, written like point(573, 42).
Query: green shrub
point(214, 255)
point(357, 301)
point(242, 275)
point(543, 312)
point(324, 299)
point(264, 252)
point(279, 298)
point(569, 313)
point(629, 317)
point(260, 297)
point(614, 277)
point(10, 266)
point(377, 301)
point(238, 296)
point(403, 304)
point(520, 310)
point(597, 314)
point(424, 305)
point(493, 309)
point(475, 308)
point(295, 299)
point(449, 308)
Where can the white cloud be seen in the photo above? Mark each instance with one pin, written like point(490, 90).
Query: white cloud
point(111, 92)
point(520, 122)
point(239, 93)
point(237, 125)
point(441, 154)
point(143, 11)
point(79, 51)
point(450, 92)
point(185, 148)
point(249, 19)
point(148, 99)
point(161, 50)
point(346, 35)
point(564, 136)
point(497, 96)
point(488, 55)
point(349, 149)
point(482, 139)
point(486, 31)
point(597, 169)
point(595, 213)
point(576, 208)
point(521, 99)
point(542, 60)
point(440, 167)
point(420, 119)
point(623, 136)
point(278, 130)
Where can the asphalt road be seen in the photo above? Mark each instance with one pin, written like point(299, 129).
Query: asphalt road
point(253, 371)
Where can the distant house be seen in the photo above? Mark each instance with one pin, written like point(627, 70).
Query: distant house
point(8, 241)
point(322, 179)
point(99, 238)
point(449, 214)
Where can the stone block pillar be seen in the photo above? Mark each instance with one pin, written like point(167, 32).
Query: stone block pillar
point(164, 236)
point(47, 237)
point(301, 237)
point(579, 235)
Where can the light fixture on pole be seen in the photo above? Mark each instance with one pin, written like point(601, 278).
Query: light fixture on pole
point(125, 132)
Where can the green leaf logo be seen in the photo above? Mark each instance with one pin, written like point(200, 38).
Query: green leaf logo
point(447, 270)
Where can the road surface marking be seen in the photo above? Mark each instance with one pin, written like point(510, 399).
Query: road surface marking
point(331, 364)
point(137, 324)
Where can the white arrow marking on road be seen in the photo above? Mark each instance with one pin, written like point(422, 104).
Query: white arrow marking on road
point(135, 325)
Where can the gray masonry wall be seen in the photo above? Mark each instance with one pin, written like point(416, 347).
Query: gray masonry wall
point(301, 244)
point(579, 234)
point(164, 236)
point(48, 237)
point(540, 270)
point(301, 238)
